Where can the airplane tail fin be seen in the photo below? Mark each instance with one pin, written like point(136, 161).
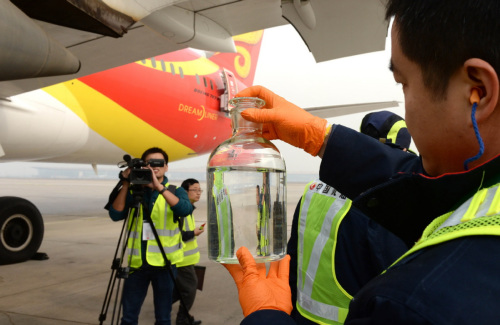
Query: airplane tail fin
point(244, 62)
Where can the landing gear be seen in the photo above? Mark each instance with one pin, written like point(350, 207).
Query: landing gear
point(21, 230)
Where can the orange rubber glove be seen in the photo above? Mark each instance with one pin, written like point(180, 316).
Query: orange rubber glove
point(285, 121)
point(256, 292)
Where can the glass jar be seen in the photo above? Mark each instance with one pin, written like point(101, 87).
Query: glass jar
point(246, 186)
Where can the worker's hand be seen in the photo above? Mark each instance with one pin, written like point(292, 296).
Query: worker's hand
point(155, 183)
point(285, 121)
point(124, 175)
point(256, 292)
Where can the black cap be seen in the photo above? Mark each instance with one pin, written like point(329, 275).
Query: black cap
point(386, 127)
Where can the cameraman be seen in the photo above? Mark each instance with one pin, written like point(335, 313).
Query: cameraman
point(146, 262)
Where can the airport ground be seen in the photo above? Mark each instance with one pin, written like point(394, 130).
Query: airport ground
point(80, 240)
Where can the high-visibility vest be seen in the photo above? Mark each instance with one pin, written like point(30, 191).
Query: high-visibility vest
point(479, 215)
point(168, 232)
point(320, 297)
point(224, 216)
point(191, 250)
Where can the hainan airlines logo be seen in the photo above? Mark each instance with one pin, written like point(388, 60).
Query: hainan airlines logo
point(243, 68)
point(312, 186)
point(200, 112)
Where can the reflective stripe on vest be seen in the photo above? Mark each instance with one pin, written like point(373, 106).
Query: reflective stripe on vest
point(320, 297)
point(168, 231)
point(479, 215)
point(191, 250)
point(223, 210)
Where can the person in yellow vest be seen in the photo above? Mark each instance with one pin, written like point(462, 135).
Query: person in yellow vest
point(446, 56)
point(146, 261)
point(187, 281)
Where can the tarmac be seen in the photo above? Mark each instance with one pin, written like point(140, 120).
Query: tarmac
point(80, 240)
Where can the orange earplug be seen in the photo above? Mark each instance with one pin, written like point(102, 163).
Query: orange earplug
point(475, 95)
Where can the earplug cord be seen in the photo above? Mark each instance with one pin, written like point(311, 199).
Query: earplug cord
point(478, 137)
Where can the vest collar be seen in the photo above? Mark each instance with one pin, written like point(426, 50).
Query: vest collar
point(406, 204)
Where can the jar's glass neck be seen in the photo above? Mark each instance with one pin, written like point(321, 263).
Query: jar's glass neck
point(240, 125)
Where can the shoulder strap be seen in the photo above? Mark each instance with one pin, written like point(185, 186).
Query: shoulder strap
point(171, 188)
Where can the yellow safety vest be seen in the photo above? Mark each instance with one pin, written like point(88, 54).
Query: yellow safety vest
point(191, 250)
point(320, 297)
point(168, 231)
point(479, 215)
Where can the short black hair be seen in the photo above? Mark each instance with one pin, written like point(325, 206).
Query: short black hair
point(155, 150)
point(440, 35)
point(188, 182)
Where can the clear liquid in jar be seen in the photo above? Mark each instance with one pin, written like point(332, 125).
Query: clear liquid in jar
point(246, 207)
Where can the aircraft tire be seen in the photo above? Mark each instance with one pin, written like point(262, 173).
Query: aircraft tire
point(21, 230)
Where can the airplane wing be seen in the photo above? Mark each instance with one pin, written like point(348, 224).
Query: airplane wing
point(340, 110)
point(335, 29)
point(57, 40)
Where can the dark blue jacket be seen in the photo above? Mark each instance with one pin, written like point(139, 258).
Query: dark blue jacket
point(451, 283)
point(364, 248)
point(455, 282)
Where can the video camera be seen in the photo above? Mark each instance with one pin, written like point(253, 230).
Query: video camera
point(138, 174)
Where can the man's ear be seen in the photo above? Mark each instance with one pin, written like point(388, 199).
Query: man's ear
point(482, 79)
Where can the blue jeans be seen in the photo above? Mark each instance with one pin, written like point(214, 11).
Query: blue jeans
point(135, 290)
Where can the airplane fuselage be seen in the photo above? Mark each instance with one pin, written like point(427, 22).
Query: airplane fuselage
point(176, 101)
point(160, 102)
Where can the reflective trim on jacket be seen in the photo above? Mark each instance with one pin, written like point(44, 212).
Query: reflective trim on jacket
point(479, 215)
